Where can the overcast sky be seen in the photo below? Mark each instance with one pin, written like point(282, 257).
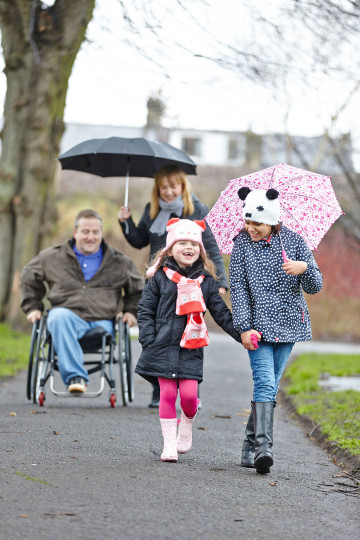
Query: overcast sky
point(111, 81)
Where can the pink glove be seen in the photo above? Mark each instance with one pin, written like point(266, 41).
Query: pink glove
point(254, 340)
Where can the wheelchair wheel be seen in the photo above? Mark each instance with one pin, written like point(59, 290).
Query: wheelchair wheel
point(33, 345)
point(128, 360)
point(39, 364)
point(122, 363)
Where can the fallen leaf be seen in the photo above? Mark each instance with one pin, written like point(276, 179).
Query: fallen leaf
point(203, 428)
point(24, 515)
point(273, 483)
point(244, 412)
point(239, 519)
point(221, 416)
point(56, 432)
point(12, 414)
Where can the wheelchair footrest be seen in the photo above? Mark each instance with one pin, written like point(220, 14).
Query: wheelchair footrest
point(89, 394)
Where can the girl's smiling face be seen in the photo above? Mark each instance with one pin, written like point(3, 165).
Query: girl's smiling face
point(169, 190)
point(257, 231)
point(185, 252)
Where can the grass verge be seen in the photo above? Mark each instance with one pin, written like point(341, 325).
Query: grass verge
point(14, 351)
point(335, 416)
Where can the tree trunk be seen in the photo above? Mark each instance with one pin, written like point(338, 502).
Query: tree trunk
point(40, 46)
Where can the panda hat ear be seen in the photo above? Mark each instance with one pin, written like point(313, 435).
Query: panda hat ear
point(272, 194)
point(243, 193)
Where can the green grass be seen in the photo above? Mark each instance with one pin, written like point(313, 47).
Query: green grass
point(337, 413)
point(14, 351)
point(23, 475)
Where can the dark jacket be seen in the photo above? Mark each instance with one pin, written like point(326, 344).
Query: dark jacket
point(115, 287)
point(160, 329)
point(263, 296)
point(140, 236)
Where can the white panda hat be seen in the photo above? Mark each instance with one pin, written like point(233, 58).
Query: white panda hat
point(260, 205)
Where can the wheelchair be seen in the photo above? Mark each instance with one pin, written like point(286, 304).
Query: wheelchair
point(103, 352)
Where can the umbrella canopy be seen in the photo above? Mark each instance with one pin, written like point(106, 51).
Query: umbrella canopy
point(121, 156)
point(307, 200)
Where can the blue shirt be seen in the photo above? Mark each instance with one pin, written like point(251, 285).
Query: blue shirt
point(89, 264)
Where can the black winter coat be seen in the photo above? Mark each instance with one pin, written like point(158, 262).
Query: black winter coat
point(160, 329)
point(140, 236)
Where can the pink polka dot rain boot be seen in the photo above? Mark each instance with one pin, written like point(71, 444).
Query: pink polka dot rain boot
point(169, 430)
point(184, 439)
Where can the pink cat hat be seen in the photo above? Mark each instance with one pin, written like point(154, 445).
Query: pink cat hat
point(180, 229)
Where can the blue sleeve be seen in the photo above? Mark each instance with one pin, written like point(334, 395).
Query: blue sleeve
point(239, 290)
point(311, 280)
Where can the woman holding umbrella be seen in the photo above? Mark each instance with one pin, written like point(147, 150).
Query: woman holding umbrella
point(269, 308)
point(171, 197)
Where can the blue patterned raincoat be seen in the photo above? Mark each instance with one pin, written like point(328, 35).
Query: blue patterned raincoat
point(263, 296)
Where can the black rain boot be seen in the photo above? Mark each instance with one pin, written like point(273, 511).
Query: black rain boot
point(263, 420)
point(248, 447)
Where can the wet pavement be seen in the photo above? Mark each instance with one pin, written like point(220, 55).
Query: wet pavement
point(77, 468)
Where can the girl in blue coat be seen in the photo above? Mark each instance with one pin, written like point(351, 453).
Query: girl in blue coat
point(269, 309)
point(172, 329)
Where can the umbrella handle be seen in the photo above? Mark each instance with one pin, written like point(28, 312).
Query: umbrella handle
point(126, 201)
point(283, 253)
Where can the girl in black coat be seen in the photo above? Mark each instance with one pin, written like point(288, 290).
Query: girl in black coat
point(171, 197)
point(172, 329)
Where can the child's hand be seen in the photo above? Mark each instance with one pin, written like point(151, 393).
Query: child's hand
point(294, 268)
point(248, 343)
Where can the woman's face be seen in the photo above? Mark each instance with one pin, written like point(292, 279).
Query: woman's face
point(169, 191)
point(257, 231)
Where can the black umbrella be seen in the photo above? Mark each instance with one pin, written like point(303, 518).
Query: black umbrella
point(121, 156)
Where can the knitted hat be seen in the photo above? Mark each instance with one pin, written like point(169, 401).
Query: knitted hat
point(260, 205)
point(180, 229)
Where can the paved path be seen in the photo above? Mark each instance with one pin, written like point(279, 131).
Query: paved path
point(78, 469)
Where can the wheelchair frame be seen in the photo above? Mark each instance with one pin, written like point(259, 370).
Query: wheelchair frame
point(113, 350)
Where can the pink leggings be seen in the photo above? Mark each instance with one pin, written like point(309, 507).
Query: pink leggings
point(168, 395)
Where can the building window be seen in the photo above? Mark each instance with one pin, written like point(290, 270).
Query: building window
point(191, 146)
point(233, 149)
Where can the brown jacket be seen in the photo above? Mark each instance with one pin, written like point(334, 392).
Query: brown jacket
point(115, 287)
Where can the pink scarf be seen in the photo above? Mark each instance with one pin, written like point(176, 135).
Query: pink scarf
point(190, 302)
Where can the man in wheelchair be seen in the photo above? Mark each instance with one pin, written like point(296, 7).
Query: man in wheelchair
point(88, 284)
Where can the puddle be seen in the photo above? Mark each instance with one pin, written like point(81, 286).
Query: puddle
point(340, 383)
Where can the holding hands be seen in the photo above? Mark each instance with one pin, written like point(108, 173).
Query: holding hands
point(249, 339)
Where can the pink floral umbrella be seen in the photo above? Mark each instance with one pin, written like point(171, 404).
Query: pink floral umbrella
point(308, 204)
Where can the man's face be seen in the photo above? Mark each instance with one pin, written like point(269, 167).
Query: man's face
point(88, 236)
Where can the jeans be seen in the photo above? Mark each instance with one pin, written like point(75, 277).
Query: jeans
point(66, 329)
point(268, 363)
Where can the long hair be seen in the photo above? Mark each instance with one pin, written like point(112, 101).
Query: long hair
point(175, 175)
point(161, 258)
